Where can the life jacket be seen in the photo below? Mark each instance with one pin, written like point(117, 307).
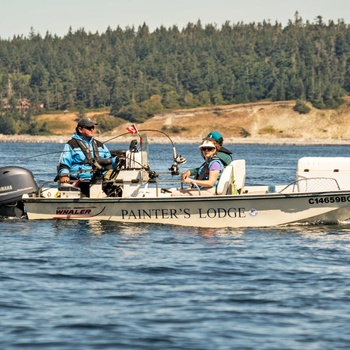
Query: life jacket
point(228, 152)
point(88, 158)
point(203, 171)
point(75, 143)
point(225, 150)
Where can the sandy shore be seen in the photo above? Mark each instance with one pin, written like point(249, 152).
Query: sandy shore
point(178, 140)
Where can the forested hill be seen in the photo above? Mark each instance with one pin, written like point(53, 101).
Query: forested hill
point(138, 73)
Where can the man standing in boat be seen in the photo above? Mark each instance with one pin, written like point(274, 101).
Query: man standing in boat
point(81, 153)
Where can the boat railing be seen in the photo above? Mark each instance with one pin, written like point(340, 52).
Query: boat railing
point(315, 184)
point(132, 183)
point(45, 188)
point(162, 190)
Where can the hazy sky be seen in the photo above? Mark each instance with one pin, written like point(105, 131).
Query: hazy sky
point(56, 16)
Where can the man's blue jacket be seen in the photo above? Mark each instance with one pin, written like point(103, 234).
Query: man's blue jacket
point(73, 162)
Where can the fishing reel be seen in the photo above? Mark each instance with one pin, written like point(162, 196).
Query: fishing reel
point(174, 169)
point(180, 159)
point(152, 175)
point(175, 166)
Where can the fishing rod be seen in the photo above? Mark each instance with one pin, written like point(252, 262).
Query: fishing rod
point(180, 159)
point(40, 155)
point(57, 152)
point(60, 152)
point(177, 159)
point(115, 137)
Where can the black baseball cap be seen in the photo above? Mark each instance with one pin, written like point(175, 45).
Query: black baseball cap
point(86, 122)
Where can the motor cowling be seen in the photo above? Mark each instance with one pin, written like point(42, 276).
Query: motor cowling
point(14, 182)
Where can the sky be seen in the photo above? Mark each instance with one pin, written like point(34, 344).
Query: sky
point(18, 17)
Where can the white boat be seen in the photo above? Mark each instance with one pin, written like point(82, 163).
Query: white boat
point(136, 194)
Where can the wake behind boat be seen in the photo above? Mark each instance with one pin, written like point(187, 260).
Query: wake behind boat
point(133, 193)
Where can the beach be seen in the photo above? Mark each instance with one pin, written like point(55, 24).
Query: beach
point(178, 140)
point(268, 123)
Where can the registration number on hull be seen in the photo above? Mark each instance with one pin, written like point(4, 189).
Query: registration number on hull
point(326, 200)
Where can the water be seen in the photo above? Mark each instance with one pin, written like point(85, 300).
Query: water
point(103, 285)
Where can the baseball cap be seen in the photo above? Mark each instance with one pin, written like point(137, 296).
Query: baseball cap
point(215, 135)
point(86, 122)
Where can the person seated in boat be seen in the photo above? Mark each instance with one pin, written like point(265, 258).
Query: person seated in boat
point(224, 154)
point(208, 174)
point(80, 153)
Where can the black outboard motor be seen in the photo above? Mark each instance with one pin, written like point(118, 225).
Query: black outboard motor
point(14, 182)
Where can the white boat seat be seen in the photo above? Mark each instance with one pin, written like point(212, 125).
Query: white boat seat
point(225, 182)
point(232, 178)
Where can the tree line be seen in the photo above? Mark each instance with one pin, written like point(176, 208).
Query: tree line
point(137, 73)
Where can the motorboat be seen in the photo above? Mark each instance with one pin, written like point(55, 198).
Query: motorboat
point(134, 193)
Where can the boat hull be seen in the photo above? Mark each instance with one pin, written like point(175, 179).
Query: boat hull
point(214, 212)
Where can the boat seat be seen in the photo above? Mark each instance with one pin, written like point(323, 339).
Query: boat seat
point(232, 178)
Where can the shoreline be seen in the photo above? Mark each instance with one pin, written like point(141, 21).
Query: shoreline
point(178, 140)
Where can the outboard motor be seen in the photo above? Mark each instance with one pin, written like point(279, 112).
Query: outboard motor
point(14, 182)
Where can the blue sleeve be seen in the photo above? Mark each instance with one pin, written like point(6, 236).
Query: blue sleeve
point(105, 153)
point(65, 161)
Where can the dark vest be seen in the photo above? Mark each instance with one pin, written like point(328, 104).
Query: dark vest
point(74, 143)
point(204, 168)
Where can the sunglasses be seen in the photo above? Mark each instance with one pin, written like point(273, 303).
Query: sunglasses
point(89, 127)
point(207, 149)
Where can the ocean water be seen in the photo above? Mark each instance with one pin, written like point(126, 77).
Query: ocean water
point(103, 285)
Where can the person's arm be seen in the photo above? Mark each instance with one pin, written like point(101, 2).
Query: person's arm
point(213, 176)
point(64, 165)
point(214, 172)
point(105, 153)
point(190, 172)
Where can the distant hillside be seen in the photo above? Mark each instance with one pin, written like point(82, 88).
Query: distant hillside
point(136, 72)
point(262, 120)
